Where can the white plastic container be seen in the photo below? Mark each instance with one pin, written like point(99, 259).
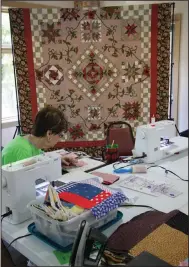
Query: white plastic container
point(64, 233)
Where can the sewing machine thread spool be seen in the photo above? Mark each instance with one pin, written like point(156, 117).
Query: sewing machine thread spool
point(153, 120)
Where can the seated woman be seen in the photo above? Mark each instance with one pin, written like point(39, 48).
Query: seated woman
point(47, 131)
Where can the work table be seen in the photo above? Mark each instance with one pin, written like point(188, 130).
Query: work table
point(42, 255)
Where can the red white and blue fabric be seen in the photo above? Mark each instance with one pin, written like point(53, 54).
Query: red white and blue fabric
point(96, 183)
point(82, 194)
point(63, 188)
point(90, 194)
point(108, 204)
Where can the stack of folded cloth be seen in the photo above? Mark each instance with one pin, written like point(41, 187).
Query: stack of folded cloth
point(74, 198)
point(90, 194)
point(165, 235)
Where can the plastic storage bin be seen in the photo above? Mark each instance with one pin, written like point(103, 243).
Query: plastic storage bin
point(64, 233)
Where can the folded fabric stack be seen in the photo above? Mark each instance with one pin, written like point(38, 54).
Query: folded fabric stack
point(89, 194)
point(153, 231)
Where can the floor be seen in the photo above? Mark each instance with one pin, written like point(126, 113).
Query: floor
point(17, 258)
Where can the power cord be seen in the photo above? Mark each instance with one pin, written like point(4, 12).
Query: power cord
point(166, 171)
point(131, 161)
point(177, 129)
point(140, 206)
point(171, 119)
point(7, 247)
point(6, 215)
point(17, 239)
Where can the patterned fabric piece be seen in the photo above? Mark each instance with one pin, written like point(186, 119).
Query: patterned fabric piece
point(84, 190)
point(63, 188)
point(97, 184)
point(163, 60)
point(76, 209)
point(92, 181)
point(129, 234)
point(76, 199)
point(100, 198)
point(161, 243)
point(93, 151)
point(82, 201)
point(101, 203)
point(21, 65)
point(107, 205)
point(66, 204)
point(143, 14)
point(85, 194)
point(66, 187)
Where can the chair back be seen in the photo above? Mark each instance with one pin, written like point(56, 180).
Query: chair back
point(185, 134)
point(121, 133)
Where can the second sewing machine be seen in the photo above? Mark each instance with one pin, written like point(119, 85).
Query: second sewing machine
point(158, 140)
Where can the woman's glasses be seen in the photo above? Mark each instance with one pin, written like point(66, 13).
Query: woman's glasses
point(61, 135)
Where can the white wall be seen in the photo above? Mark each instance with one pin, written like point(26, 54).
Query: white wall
point(124, 3)
point(70, 4)
point(181, 7)
point(63, 4)
point(7, 135)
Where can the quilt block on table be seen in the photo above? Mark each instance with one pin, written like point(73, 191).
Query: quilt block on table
point(90, 195)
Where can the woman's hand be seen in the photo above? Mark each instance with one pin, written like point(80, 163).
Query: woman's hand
point(69, 160)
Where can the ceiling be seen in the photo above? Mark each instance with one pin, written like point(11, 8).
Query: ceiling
point(70, 4)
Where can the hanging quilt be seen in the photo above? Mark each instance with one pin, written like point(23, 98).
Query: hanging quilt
point(98, 66)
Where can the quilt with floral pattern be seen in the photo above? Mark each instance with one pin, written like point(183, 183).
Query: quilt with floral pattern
point(98, 66)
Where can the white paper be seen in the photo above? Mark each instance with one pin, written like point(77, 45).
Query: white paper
point(143, 185)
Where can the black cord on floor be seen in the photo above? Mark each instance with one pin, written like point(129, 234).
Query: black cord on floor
point(140, 206)
point(17, 239)
point(166, 171)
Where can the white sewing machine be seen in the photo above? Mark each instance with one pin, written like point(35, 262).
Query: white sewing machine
point(18, 183)
point(158, 140)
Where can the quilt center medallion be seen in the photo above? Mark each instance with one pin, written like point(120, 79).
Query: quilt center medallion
point(93, 73)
